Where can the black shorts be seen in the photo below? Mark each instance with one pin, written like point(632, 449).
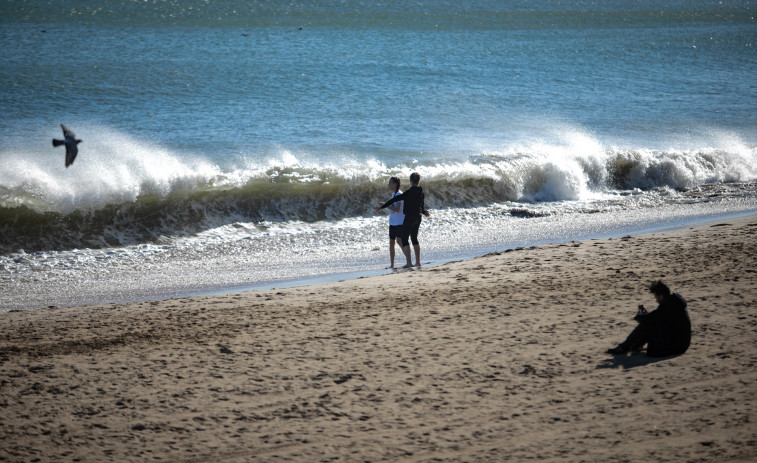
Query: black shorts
point(410, 231)
point(395, 231)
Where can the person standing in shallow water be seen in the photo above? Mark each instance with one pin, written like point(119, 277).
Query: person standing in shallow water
point(396, 218)
point(414, 207)
point(665, 331)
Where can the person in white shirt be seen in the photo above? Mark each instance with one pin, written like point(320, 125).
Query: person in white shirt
point(413, 206)
point(396, 218)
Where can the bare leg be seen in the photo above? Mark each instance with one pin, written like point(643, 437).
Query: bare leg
point(391, 249)
point(406, 250)
point(417, 248)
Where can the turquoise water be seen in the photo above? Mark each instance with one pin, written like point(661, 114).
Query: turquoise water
point(241, 80)
point(230, 122)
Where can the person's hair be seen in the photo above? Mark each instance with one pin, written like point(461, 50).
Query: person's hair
point(415, 178)
point(658, 287)
point(396, 182)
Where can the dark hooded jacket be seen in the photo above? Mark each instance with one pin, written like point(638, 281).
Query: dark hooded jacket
point(668, 327)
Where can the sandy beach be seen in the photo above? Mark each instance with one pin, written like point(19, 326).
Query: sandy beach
point(499, 358)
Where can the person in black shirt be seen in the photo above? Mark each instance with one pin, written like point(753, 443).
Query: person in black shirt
point(666, 330)
point(414, 207)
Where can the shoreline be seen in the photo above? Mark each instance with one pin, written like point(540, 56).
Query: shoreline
point(339, 277)
point(496, 358)
point(169, 292)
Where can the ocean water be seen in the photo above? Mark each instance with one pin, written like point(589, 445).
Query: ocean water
point(235, 144)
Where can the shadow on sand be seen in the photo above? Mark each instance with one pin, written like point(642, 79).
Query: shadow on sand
point(633, 360)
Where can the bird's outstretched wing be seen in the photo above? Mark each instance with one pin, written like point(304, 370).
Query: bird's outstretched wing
point(71, 152)
point(66, 132)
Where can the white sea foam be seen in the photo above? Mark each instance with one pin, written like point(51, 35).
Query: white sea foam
point(237, 256)
point(569, 164)
point(123, 191)
point(111, 168)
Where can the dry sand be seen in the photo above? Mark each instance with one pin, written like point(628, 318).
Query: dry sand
point(499, 358)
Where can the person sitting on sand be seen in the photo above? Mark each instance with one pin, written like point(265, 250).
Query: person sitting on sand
point(414, 205)
point(666, 330)
point(396, 218)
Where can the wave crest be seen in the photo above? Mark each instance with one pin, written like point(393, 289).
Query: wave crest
point(126, 192)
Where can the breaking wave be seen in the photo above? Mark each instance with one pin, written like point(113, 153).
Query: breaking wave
point(125, 192)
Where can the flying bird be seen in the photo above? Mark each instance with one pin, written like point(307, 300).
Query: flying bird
point(69, 139)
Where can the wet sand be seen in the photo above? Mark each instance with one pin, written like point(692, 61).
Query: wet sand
point(498, 358)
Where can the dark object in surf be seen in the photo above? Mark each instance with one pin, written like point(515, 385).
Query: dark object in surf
point(69, 139)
